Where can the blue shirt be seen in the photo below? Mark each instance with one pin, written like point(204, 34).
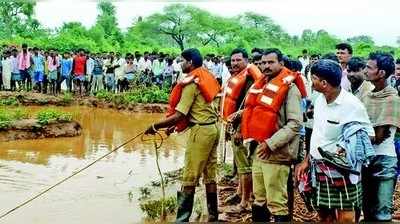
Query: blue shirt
point(66, 67)
point(38, 62)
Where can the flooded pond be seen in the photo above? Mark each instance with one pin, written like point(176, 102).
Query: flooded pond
point(97, 195)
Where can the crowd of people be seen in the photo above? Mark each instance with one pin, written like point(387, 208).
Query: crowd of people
point(327, 125)
point(85, 73)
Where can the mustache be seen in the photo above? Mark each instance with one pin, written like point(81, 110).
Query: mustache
point(267, 70)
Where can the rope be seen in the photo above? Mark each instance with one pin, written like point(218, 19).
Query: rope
point(79, 171)
point(163, 215)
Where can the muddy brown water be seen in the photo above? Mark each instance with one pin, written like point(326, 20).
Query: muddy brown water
point(101, 193)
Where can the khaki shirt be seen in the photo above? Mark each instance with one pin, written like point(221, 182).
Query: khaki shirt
point(192, 103)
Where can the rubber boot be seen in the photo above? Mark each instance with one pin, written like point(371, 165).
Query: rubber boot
point(281, 218)
point(185, 206)
point(212, 206)
point(260, 213)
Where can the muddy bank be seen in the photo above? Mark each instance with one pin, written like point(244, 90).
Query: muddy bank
point(31, 129)
point(38, 99)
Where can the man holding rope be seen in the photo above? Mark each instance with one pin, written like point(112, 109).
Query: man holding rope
point(192, 105)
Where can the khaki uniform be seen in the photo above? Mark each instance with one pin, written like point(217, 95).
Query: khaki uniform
point(270, 176)
point(202, 142)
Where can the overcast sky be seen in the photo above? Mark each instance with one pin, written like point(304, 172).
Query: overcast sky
point(343, 18)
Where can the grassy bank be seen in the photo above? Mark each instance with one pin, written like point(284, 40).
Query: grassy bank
point(44, 116)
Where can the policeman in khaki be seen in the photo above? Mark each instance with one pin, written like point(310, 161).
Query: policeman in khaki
point(270, 126)
point(243, 76)
point(192, 105)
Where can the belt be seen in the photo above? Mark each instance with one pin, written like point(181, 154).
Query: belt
point(191, 124)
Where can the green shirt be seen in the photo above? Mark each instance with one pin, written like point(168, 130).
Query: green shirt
point(192, 103)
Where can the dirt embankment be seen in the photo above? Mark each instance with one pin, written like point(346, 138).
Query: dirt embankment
point(31, 129)
point(38, 99)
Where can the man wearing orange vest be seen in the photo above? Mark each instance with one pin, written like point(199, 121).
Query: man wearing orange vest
point(271, 122)
point(243, 76)
point(192, 104)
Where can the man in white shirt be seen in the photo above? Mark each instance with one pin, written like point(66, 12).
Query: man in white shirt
point(119, 71)
point(333, 109)
point(89, 72)
point(305, 60)
point(344, 52)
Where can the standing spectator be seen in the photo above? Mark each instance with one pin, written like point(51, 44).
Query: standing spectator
point(157, 69)
point(335, 193)
point(24, 62)
point(15, 76)
point(109, 77)
point(217, 69)
point(89, 72)
point(344, 53)
point(46, 72)
point(119, 70)
point(130, 70)
point(38, 70)
point(305, 60)
point(168, 73)
point(79, 71)
point(177, 70)
point(53, 63)
point(97, 81)
point(383, 107)
point(66, 70)
point(6, 70)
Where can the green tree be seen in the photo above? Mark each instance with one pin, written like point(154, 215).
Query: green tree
point(107, 21)
point(16, 17)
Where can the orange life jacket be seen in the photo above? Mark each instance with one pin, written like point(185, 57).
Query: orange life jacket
point(234, 88)
point(263, 102)
point(208, 87)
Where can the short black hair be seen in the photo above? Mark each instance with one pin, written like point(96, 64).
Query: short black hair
point(384, 61)
point(328, 70)
point(294, 65)
point(304, 51)
point(193, 54)
point(314, 56)
point(330, 56)
point(344, 46)
point(257, 50)
point(286, 60)
point(24, 45)
point(356, 64)
point(275, 51)
point(398, 61)
point(240, 51)
point(257, 57)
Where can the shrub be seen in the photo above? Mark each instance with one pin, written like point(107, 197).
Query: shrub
point(48, 115)
point(152, 208)
point(11, 101)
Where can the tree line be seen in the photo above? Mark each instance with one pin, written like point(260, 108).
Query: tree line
point(177, 27)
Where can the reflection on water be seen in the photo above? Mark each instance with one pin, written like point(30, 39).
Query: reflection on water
point(99, 194)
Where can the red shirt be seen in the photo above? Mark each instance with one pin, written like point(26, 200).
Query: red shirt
point(79, 65)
